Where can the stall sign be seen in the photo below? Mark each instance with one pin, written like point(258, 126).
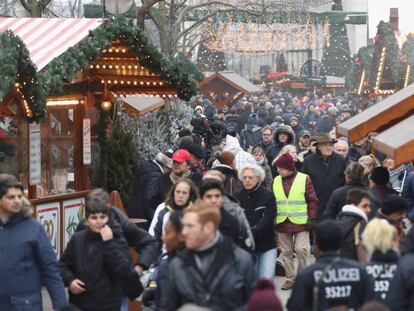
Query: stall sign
point(73, 213)
point(87, 156)
point(34, 154)
point(49, 216)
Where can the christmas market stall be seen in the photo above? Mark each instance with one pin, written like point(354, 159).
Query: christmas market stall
point(381, 116)
point(89, 68)
point(22, 103)
point(223, 88)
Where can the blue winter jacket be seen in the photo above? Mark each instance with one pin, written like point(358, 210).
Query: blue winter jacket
point(27, 262)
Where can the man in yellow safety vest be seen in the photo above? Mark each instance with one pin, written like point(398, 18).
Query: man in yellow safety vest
point(296, 203)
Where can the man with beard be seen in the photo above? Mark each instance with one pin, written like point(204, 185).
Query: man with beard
point(181, 168)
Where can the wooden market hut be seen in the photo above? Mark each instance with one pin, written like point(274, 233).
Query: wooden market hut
point(86, 66)
point(393, 119)
point(22, 100)
point(223, 88)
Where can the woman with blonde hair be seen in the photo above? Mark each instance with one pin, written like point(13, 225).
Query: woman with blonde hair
point(381, 242)
point(368, 162)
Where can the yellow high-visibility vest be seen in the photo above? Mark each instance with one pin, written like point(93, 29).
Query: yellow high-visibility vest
point(294, 207)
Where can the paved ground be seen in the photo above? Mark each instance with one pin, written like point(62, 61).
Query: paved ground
point(283, 294)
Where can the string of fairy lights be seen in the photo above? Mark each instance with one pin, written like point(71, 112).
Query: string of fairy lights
point(230, 36)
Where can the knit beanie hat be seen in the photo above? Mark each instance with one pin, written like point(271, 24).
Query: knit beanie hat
point(285, 161)
point(185, 142)
point(380, 175)
point(227, 158)
point(393, 204)
point(264, 297)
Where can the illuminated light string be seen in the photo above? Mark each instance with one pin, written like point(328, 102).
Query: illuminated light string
point(243, 37)
point(407, 76)
point(26, 106)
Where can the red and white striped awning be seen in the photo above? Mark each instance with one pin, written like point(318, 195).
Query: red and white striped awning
point(46, 38)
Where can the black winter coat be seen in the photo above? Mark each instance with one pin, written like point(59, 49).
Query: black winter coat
point(338, 198)
point(143, 243)
point(381, 269)
point(259, 206)
point(227, 286)
point(401, 295)
point(347, 222)
point(230, 227)
point(143, 187)
point(104, 266)
point(345, 283)
point(326, 176)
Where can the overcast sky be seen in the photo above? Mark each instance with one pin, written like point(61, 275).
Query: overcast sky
point(380, 10)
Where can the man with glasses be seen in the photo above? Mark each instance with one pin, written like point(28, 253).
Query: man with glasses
point(267, 138)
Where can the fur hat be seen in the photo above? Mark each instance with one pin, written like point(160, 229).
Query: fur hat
point(285, 161)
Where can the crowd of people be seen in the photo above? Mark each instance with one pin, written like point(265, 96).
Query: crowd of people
point(244, 191)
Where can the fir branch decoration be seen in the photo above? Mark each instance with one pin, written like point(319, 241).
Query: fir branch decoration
point(63, 69)
point(16, 66)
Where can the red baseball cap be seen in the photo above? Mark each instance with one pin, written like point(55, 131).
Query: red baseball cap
point(181, 156)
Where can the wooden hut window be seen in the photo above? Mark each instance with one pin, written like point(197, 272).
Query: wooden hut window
point(58, 152)
point(13, 147)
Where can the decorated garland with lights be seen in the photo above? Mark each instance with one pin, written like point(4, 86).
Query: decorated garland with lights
point(17, 68)
point(386, 59)
point(63, 69)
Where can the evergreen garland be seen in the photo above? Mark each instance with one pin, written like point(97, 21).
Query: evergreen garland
point(63, 69)
point(16, 66)
point(385, 38)
point(336, 54)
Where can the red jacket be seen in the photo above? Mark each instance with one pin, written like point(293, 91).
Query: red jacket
point(311, 200)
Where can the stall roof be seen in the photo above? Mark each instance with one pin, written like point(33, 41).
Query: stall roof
point(398, 141)
point(235, 80)
point(136, 105)
point(47, 38)
point(380, 116)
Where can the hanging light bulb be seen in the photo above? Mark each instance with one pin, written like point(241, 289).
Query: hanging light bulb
point(106, 105)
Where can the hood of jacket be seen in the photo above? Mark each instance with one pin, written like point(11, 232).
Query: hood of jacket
point(284, 129)
point(350, 209)
point(25, 212)
point(232, 144)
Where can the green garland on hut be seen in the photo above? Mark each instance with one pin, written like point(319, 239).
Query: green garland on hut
point(16, 67)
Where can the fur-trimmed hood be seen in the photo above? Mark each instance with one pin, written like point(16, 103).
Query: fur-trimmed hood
point(284, 129)
point(27, 209)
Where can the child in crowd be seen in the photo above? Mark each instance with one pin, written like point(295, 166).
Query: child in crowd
point(96, 263)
